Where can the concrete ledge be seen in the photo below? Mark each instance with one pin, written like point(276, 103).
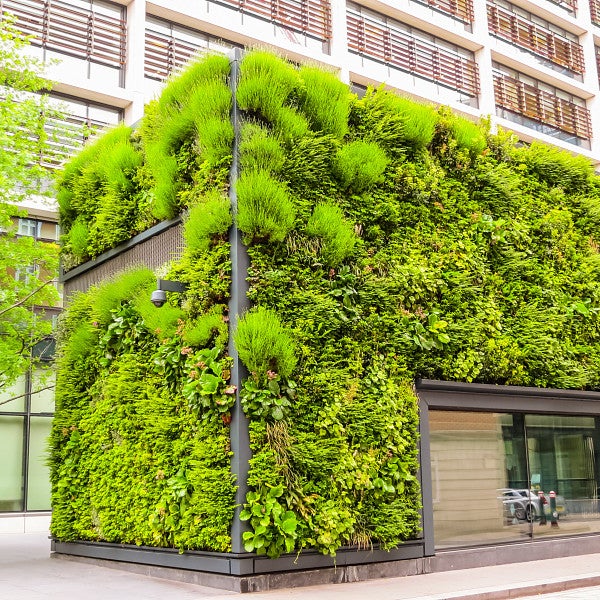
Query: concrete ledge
point(248, 572)
point(469, 558)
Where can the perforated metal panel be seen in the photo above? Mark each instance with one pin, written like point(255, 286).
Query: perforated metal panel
point(148, 249)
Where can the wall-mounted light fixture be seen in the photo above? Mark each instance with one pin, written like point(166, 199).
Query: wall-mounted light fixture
point(159, 295)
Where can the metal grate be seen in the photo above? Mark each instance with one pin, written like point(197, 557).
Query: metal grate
point(152, 253)
point(543, 107)
point(60, 27)
point(401, 50)
point(311, 17)
point(544, 43)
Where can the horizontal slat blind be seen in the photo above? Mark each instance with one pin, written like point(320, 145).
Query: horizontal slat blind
point(62, 28)
point(306, 16)
point(524, 99)
point(547, 44)
point(399, 49)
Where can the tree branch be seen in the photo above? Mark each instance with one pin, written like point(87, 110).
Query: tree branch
point(23, 300)
point(48, 387)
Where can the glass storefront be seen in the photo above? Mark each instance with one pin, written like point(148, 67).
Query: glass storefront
point(25, 419)
point(493, 475)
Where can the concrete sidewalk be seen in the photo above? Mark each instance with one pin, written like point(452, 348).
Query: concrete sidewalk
point(28, 573)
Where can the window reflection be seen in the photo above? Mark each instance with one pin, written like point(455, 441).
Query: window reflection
point(494, 475)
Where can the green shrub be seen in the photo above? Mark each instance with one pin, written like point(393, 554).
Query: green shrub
point(207, 69)
point(468, 135)
point(163, 321)
point(393, 121)
point(325, 100)
point(266, 84)
point(337, 234)
point(360, 165)
point(265, 210)
point(264, 344)
point(557, 167)
point(123, 287)
point(208, 330)
point(78, 238)
point(259, 150)
point(208, 219)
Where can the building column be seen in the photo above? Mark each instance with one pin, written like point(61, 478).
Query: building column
point(338, 45)
point(134, 66)
point(483, 58)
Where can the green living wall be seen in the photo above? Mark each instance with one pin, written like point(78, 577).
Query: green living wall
point(388, 240)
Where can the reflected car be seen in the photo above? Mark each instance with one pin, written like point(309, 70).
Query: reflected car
point(526, 505)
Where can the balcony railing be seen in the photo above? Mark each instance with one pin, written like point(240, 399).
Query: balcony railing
point(311, 17)
point(547, 44)
point(164, 54)
point(62, 28)
point(524, 99)
point(400, 50)
point(459, 9)
point(597, 48)
point(595, 11)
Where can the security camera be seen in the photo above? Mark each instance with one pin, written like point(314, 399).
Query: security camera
point(158, 298)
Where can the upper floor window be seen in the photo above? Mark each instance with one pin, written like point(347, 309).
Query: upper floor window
point(29, 227)
point(595, 11)
point(540, 106)
point(169, 46)
point(82, 118)
point(556, 48)
point(86, 36)
point(309, 17)
point(411, 50)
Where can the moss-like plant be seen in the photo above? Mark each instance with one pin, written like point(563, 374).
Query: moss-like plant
point(265, 210)
point(337, 234)
point(264, 344)
point(207, 220)
point(360, 165)
point(208, 329)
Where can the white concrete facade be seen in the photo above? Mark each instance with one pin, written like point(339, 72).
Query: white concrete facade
point(238, 22)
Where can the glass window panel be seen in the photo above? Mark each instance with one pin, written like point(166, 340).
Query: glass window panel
point(14, 391)
point(563, 458)
point(42, 401)
point(38, 476)
point(479, 479)
point(11, 450)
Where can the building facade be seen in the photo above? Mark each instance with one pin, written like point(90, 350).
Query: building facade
point(531, 67)
point(27, 406)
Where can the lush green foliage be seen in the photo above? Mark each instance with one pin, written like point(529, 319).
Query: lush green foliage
point(408, 242)
point(264, 208)
point(207, 221)
point(125, 181)
point(25, 117)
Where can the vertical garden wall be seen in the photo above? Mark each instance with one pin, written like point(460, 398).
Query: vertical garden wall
point(387, 240)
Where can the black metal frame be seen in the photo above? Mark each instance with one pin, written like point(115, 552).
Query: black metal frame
point(479, 397)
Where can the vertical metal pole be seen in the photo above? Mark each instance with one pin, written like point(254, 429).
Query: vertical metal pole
point(238, 304)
